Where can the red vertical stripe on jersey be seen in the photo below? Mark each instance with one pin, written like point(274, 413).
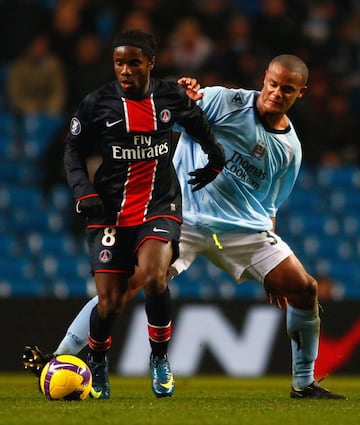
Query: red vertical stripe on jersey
point(138, 192)
point(140, 118)
point(140, 115)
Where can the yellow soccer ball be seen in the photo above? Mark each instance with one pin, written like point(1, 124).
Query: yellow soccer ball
point(66, 377)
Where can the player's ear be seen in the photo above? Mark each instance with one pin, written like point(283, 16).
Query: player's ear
point(152, 63)
point(302, 92)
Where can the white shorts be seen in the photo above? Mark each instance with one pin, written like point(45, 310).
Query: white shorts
point(243, 255)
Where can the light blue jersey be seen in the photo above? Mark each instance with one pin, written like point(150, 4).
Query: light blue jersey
point(261, 167)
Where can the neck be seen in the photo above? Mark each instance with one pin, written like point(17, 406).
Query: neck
point(276, 121)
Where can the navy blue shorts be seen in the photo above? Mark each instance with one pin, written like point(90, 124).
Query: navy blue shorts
point(114, 249)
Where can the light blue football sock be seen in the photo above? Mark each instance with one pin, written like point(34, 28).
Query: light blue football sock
point(303, 327)
point(76, 337)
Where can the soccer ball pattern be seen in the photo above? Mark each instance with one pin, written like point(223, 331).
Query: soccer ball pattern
point(66, 377)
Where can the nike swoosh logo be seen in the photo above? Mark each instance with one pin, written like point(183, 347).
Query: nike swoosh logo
point(160, 334)
point(169, 384)
point(157, 229)
point(111, 124)
point(94, 393)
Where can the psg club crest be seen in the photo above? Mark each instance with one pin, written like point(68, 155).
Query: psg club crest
point(259, 149)
point(105, 256)
point(165, 115)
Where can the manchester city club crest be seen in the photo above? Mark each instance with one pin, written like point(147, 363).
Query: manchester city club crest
point(259, 149)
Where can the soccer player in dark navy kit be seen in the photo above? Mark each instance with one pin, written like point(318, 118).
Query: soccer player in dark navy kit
point(133, 205)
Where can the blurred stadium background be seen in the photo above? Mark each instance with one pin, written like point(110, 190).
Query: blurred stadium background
point(54, 52)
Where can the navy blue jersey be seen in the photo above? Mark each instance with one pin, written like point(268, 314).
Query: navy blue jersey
point(136, 180)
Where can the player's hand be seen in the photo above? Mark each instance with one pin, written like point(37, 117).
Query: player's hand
point(203, 176)
point(277, 300)
point(191, 87)
point(90, 206)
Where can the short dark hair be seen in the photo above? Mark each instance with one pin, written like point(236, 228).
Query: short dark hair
point(294, 64)
point(138, 38)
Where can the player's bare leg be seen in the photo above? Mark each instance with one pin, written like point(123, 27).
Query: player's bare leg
point(289, 279)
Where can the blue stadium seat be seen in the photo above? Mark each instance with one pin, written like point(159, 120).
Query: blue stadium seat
point(79, 267)
point(345, 272)
point(15, 267)
point(328, 247)
point(58, 221)
point(345, 201)
point(350, 225)
point(17, 172)
point(65, 267)
point(77, 287)
point(7, 143)
point(306, 223)
point(10, 245)
point(7, 148)
point(352, 292)
point(24, 220)
point(6, 124)
point(17, 196)
point(182, 287)
point(39, 220)
point(305, 200)
point(22, 287)
point(56, 245)
point(346, 177)
point(4, 226)
point(306, 179)
point(61, 198)
point(250, 290)
point(38, 131)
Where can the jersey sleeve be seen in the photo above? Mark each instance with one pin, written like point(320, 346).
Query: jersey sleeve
point(194, 121)
point(78, 146)
point(215, 103)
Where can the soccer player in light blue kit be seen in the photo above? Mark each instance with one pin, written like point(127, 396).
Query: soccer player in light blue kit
point(231, 221)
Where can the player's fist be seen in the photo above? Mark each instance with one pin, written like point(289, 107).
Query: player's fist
point(202, 176)
point(90, 206)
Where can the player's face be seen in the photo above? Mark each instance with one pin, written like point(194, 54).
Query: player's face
point(132, 69)
point(280, 90)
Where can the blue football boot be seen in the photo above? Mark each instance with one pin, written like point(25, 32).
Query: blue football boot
point(100, 375)
point(163, 383)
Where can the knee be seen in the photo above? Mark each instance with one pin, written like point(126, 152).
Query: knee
point(310, 288)
point(155, 283)
point(111, 307)
point(305, 297)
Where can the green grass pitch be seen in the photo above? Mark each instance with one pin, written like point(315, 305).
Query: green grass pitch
point(200, 400)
